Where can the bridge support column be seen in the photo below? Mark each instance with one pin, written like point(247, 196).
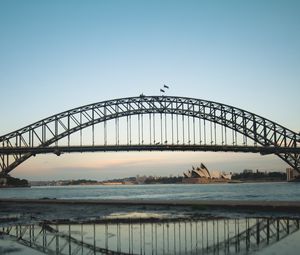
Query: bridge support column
point(3, 179)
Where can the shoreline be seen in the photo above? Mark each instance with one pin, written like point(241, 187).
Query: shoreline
point(156, 183)
point(24, 211)
point(233, 181)
point(258, 205)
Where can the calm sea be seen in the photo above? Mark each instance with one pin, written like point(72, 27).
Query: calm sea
point(243, 191)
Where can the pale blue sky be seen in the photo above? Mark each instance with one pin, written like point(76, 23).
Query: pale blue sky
point(56, 55)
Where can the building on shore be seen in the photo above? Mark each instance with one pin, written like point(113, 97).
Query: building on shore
point(292, 175)
point(203, 175)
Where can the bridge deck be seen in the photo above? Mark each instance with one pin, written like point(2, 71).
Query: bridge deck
point(155, 147)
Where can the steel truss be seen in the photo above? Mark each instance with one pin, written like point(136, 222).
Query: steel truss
point(270, 137)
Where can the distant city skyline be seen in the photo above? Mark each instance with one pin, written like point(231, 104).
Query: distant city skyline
point(58, 55)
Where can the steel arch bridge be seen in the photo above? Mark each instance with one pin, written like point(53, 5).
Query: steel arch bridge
point(151, 123)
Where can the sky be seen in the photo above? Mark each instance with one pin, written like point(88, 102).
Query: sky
point(57, 55)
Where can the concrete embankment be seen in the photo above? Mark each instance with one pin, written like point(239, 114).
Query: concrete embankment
point(288, 206)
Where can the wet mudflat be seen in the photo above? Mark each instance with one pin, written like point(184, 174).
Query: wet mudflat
point(141, 234)
point(34, 211)
point(54, 228)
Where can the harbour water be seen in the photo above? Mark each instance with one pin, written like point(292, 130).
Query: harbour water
point(242, 191)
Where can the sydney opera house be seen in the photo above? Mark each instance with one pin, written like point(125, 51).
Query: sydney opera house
point(203, 175)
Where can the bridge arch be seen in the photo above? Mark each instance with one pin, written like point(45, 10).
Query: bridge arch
point(268, 136)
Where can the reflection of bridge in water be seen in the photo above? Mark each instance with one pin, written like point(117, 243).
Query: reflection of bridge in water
point(150, 123)
point(213, 236)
